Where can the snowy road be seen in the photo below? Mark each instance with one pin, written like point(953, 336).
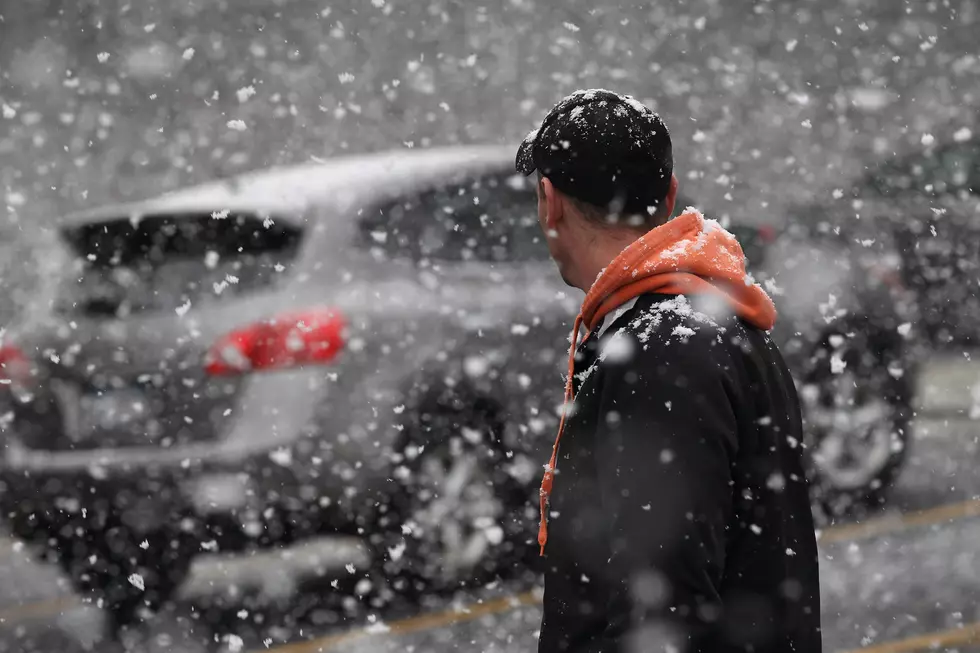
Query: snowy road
point(906, 580)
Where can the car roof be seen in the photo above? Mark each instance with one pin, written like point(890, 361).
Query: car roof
point(289, 190)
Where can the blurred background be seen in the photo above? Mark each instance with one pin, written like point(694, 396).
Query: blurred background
point(781, 113)
point(770, 103)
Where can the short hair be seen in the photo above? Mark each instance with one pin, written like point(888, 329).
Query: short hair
point(607, 217)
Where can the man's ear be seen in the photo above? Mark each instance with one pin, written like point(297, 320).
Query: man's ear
point(554, 208)
point(671, 200)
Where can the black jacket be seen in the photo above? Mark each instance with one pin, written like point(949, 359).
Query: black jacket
point(680, 507)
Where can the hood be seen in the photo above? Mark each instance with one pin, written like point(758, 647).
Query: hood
point(686, 256)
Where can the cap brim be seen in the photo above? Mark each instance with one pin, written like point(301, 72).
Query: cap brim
point(525, 155)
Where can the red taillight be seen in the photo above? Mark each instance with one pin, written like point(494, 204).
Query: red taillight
point(307, 338)
point(889, 278)
point(888, 271)
point(15, 367)
point(767, 233)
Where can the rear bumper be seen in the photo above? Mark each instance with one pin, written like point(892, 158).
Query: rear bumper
point(266, 480)
point(205, 503)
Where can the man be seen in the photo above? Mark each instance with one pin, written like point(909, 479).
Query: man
point(675, 511)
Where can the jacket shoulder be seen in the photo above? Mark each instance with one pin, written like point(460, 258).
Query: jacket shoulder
point(663, 321)
point(662, 334)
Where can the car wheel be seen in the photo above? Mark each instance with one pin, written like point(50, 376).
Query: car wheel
point(456, 517)
point(856, 408)
point(126, 575)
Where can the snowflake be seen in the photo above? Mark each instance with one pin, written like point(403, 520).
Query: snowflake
point(396, 552)
point(281, 457)
point(245, 92)
point(233, 642)
point(962, 135)
point(376, 627)
point(837, 364)
point(683, 332)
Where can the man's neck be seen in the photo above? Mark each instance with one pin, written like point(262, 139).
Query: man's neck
point(600, 253)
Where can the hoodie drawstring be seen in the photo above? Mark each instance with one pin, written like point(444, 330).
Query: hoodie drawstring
point(549, 471)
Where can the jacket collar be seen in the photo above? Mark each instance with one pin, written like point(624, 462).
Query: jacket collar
point(612, 316)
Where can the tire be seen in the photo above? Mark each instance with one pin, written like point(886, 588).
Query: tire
point(127, 575)
point(454, 517)
point(856, 401)
point(122, 571)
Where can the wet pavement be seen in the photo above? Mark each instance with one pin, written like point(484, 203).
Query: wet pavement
point(907, 579)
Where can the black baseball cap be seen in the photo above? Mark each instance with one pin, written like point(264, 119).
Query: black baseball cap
point(602, 148)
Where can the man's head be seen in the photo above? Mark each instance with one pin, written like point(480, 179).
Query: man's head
point(605, 177)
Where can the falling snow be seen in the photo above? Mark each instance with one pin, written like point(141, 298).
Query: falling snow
point(141, 328)
point(245, 93)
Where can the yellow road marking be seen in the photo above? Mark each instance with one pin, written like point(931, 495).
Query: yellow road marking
point(37, 609)
point(422, 622)
point(847, 532)
point(900, 521)
point(969, 634)
point(965, 635)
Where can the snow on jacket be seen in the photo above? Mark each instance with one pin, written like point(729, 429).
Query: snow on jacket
point(676, 503)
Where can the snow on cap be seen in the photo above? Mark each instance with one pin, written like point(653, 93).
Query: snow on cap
point(607, 149)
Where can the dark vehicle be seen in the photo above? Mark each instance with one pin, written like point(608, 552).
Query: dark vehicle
point(923, 212)
point(370, 346)
point(841, 327)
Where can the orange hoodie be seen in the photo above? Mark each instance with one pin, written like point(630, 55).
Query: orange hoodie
point(686, 256)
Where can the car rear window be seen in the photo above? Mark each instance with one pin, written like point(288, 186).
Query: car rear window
point(491, 219)
point(172, 262)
